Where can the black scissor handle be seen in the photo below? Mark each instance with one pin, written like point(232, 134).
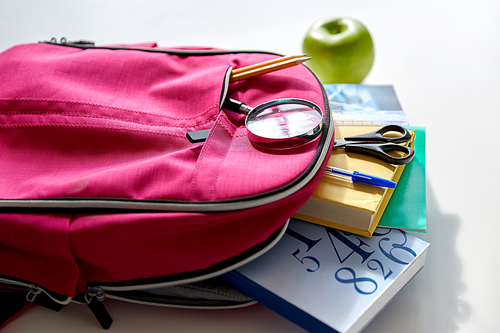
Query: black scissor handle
point(382, 151)
point(379, 135)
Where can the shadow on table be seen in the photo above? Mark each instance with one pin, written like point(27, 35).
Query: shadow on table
point(431, 301)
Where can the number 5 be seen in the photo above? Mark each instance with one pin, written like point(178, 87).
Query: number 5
point(302, 261)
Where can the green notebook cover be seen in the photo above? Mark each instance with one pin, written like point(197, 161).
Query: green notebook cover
point(407, 208)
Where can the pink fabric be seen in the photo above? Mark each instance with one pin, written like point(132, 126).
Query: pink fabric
point(107, 123)
point(112, 124)
point(172, 242)
point(36, 248)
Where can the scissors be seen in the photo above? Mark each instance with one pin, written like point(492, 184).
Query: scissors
point(378, 145)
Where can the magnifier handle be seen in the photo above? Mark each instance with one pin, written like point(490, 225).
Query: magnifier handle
point(236, 106)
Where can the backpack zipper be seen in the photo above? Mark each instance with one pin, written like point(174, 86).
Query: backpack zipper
point(95, 297)
point(97, 293)
point(38, 295)
point(64, 41)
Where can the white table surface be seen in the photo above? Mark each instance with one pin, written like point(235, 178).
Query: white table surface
point(443, 58)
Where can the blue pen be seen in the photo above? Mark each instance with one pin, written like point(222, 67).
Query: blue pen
point(362, 178)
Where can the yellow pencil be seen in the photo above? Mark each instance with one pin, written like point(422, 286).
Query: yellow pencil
point(267, 67)
point(266, 63)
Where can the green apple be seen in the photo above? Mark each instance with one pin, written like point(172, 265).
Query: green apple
point(341, 50)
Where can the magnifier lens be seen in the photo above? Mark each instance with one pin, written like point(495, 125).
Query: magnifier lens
point(284, 124)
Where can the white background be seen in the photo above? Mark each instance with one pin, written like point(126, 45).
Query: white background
point(443, 58)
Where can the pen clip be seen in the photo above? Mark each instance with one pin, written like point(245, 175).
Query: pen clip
point(372, 180)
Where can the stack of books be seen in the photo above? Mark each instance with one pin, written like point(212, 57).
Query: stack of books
point(348, 251)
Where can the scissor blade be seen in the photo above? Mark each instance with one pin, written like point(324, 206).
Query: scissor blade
point(343, 143)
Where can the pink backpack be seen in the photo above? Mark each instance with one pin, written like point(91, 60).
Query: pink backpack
point(102, 194)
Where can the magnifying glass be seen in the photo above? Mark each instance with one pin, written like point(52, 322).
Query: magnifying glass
point(279, 124)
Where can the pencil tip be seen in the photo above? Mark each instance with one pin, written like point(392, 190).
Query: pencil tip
point(304, 59)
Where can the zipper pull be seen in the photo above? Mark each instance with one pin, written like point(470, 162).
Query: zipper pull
point(64, 41)
point(32, 294)
point(94, 298)
point(38, 297)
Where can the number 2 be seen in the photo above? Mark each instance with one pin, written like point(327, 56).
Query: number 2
point(381, 268)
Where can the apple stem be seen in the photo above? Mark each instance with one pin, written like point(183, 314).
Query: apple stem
point(340, 27)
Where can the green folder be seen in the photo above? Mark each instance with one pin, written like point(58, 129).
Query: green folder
point(407, 208)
